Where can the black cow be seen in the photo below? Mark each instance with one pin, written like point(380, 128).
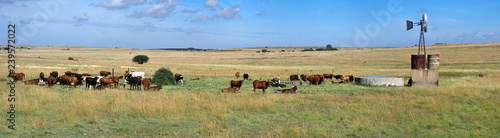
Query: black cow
point(91, 82)
point(134, 82)
point(246, 75)
point(338, 77)
point(294, 77)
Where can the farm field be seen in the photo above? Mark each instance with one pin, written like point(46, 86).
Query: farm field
point(464, 105)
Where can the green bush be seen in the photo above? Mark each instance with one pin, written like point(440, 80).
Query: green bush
point(163, 76)
point(320, 49)
point(308, 49)
point(71, 58)
point(264, 50)
point(140, 59)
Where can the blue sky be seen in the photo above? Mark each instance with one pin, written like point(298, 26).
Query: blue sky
point(246, 23)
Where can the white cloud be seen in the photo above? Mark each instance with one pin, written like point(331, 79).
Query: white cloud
point(212, 3)
point(186, 10)
point(228, 13)
point(202, 17)
point(119, 4)
point(82, 17)
point(261, 13)
point(159, 10)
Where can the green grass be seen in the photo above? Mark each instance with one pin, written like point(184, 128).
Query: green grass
point(464, 105)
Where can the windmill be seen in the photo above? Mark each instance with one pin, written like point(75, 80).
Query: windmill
point(423, 29)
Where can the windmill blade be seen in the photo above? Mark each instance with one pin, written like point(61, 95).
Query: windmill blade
point(409, 25)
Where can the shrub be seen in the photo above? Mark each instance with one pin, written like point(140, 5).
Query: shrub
point(308, 49)
point(163, 76)
point(140, 59)
point(264, 50)
point(320, 49)
point(71, 58)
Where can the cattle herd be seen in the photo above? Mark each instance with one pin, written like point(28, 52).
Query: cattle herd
point(72, 79)
point(136, 79)
point(276, 82)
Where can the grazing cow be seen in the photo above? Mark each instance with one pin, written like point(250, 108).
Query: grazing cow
point(195, 79)
point(55, 74)
point(303, 77)
point(146, 82)
point(480, 75)
point(338, 77)
point(246, 75)
point(179, 78)
point(328, 76)
point(105, 73)
point(315, 79)
point(230, 90)
point(261, 85)
point(108, 81)
point(32, 82)
point(91, 81)
point(17, 76)
point(294, 77)
point(237, 75)
point(236, 84)
point(157, 88)
point(292, 90)
point(51, 80)
point(134, 82)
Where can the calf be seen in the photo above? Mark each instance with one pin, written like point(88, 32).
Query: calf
point(261, 85)
point(236, 84)
point(294, 77)
point(17, 76)
point(117, 79)
point(246, 75)
point(292, 90)
point(237, 75)
point(146, 82)
point(231, 90)
point(104, 73)
point(157, 88)
point(346, 79)
point(179, 78)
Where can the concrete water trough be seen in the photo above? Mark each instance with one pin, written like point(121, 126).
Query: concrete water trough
point(380, 81)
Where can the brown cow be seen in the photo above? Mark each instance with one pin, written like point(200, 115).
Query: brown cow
point(17, 76)
point(66, 80)
point(146, 82)
point(346, 79)
point(67, 72)
point(261, 85)
point(328, 76)
point(42, 75)
point(315, 79)
point(116, 79)
point(55, 74)
point(74, 81)
point(480, 75)
point(237, 75)
point(231, 90)
point(294, 77)
point(303, 77)
point(195, 79)
point(236, 84)
point(86, 74)
point(105, 73)
point(51, 80)
point(292, 90)
point(108, 81)
point(32, 82)
point(157, 88)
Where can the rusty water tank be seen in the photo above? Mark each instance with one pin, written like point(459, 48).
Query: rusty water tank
point(433, 61)
point(417, 61)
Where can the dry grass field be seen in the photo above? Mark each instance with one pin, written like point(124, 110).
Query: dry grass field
point(464, 105)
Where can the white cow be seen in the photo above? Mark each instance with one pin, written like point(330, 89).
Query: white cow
point(135, 74)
